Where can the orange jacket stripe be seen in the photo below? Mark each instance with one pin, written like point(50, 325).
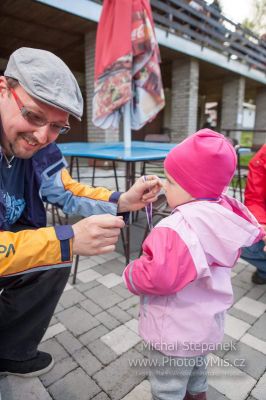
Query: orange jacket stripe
point(81, 190)
point(29, 250)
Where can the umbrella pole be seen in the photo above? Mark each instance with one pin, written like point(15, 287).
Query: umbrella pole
point(127, 126)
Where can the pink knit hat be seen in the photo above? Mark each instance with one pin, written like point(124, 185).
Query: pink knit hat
point(203, 164)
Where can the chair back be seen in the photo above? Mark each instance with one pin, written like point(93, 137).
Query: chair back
point(160, 138)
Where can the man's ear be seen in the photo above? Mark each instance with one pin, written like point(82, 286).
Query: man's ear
point(3, 85)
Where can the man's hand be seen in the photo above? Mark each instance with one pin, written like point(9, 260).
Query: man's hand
point(140, 193)
point(97, 234)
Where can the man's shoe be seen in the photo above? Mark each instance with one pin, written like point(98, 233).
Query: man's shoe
point(256, 278)
point(36, 366)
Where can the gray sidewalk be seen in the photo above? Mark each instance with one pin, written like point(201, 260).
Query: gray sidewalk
point(93, 338)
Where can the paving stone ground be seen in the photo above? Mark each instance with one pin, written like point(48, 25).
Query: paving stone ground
point(94, 341)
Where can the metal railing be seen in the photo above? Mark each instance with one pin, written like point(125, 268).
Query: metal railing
point(209, 28)
point(229, 131)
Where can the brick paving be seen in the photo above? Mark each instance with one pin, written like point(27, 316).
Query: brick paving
point(93, 338)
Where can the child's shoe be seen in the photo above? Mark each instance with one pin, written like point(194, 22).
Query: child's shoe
point(198, 396)
point(258, 279)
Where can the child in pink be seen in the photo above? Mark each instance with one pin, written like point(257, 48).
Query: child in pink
point(183, 277)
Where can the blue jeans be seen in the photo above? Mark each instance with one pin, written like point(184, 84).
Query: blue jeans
point(171, 377)
point(256, 256)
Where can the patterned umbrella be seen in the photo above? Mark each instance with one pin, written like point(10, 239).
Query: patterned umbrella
point(127, 70)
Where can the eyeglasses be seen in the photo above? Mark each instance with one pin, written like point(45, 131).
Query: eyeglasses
point(37, 120)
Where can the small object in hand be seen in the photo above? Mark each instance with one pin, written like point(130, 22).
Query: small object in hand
point(148, 209)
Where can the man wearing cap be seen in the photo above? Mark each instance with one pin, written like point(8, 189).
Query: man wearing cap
point(37, 95)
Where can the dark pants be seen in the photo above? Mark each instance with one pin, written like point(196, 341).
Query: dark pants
point(27, 303)
point(256, 256)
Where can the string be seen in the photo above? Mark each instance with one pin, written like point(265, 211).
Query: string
point(148, 210)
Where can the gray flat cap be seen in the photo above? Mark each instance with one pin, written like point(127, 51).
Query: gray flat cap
point(47, 78)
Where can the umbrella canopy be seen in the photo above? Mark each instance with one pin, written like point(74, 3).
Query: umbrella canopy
point(126, 65)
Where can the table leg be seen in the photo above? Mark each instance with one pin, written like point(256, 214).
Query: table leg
point(133, 178)
point(93, 172)
point(116, 180)
point(71, 165)
point(127, 228)
point(133, 173)
point(77, 164)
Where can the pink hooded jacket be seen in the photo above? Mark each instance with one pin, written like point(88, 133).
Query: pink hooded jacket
point(183, 277)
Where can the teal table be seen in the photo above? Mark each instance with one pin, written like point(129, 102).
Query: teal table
point(115, 151)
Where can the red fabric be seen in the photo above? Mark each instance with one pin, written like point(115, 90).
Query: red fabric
point(126, 65)
point(114, 31)
point(114, 25)
point(255, 192)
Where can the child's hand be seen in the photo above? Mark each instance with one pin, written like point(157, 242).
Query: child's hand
point(140, 193)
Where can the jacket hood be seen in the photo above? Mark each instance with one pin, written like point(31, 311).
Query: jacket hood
point(222, 227)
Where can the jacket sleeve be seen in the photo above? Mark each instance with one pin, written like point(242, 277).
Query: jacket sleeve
point(255, 192)
point(35, 250)
point(76, 198)
point(165, 267)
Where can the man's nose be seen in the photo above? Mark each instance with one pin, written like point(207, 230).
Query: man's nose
point(42, 134)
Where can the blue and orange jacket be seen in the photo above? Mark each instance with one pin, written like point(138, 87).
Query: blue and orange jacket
point(47, 179)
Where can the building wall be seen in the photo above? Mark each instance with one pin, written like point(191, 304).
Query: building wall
point(184, 102)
